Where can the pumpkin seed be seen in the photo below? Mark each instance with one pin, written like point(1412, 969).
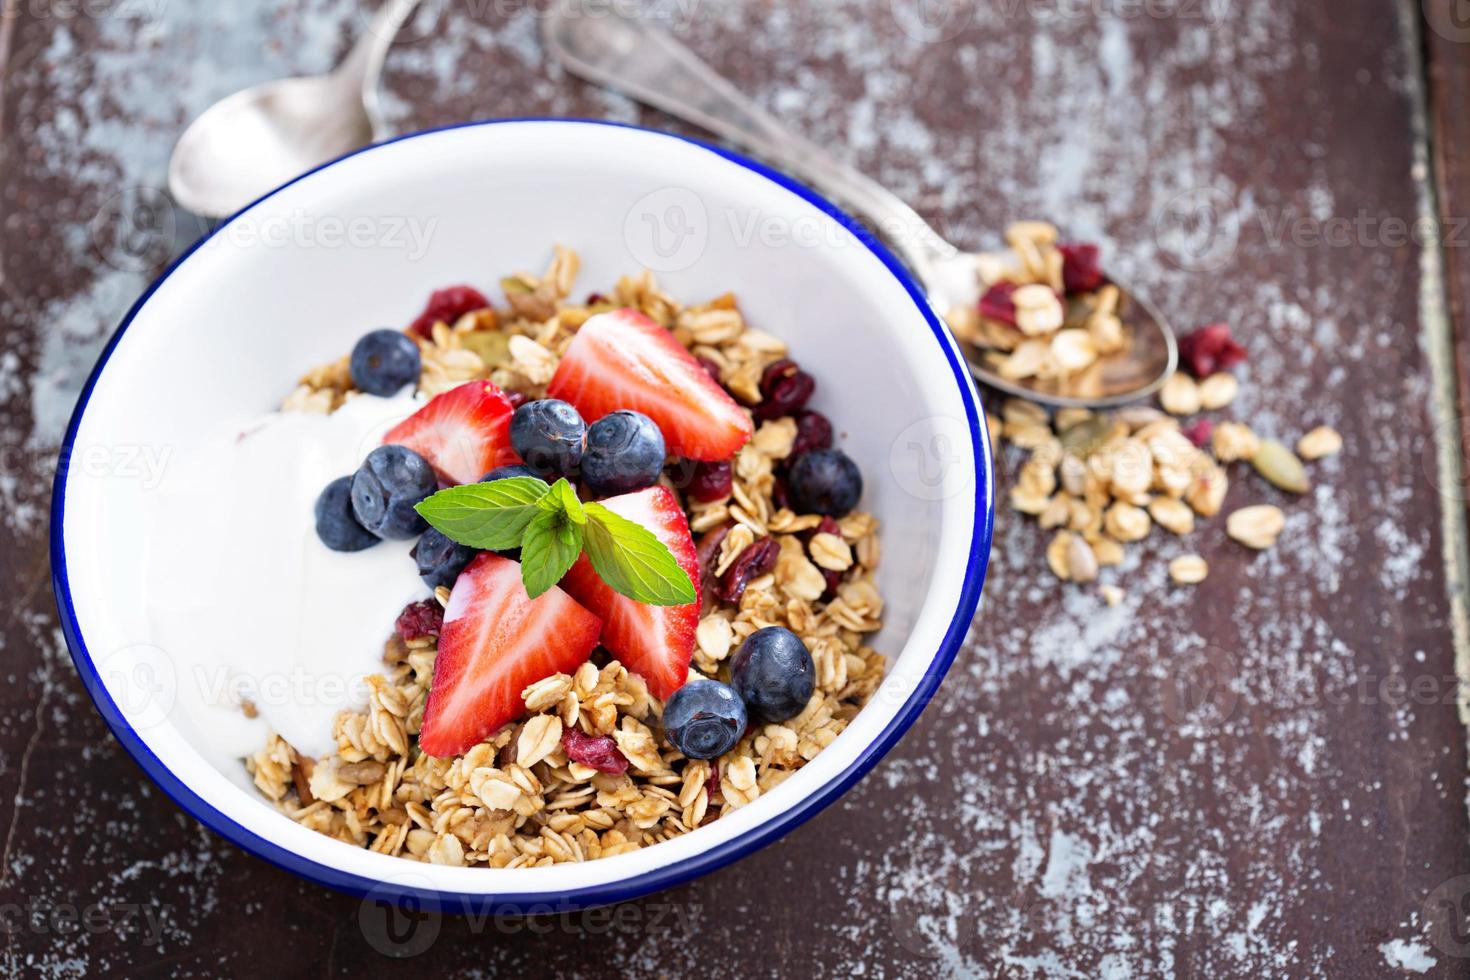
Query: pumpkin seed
point(1281, 467)
point(492, 346)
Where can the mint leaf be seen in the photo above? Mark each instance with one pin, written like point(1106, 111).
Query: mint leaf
point(632, 561)
point(490, 516)
point(551, 543)
point(563, 498)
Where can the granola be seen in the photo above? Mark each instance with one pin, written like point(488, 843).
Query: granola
point(519, 798)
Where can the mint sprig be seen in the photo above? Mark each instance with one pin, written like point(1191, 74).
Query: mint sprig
point(552, 527)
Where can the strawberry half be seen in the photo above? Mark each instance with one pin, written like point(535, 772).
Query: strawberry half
point(654, 641)
point(464, 432)
point(622, 359)
point(496, 640)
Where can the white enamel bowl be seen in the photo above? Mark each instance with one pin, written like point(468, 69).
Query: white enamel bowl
point(294, 279)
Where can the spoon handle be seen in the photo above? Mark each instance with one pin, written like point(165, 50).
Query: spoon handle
point(649, 65)
point(363, 65)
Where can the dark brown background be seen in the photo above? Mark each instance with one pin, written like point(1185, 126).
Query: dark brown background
point(1261, 776)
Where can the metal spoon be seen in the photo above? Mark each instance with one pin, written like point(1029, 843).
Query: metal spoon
point(252, 141)
point(647, 64)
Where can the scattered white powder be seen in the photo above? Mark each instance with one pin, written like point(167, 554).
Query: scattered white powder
point(1408, 954)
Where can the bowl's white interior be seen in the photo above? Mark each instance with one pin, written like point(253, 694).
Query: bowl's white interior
point(226, 335)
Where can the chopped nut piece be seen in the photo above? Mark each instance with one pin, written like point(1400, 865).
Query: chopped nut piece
point(1321, 441)
point(1111, 594)
point(1172, 515)
point(1217, 391)
point(1125, 522)
point(1180, 395)
point(1188, 570)
point(1081, 563)
point(1059, 555)
point(1257, 526)
point(1073, 350)
point(1038, 311)
point(1035, 232)
point(1234, 441)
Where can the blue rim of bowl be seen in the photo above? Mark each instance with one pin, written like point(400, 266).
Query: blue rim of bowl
point(593, 895)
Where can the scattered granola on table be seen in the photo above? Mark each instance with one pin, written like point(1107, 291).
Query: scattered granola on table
point(588, 767)
point(1103, 481)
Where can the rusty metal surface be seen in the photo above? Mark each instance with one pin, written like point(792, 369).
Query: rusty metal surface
point(1261, 776)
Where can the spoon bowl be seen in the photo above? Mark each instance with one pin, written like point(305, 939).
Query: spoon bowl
point(255, 140)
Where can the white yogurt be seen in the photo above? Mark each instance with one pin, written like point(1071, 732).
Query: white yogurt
point(291, 624)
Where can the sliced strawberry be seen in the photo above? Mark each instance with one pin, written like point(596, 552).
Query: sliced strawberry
point(622, 359)
point(496, 640)
point(654, 641)
point(464, 433)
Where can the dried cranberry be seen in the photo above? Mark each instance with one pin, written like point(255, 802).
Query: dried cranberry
point(1199, 432)
point(813, 431)
point(447, 305)
point(997, 304)
point(594, 751)
point(712, 784)
point(784, 389)
point(757, 559)
point(828, 525)
point(419, 619)
point(710, 368)
point(1210, 349)
point(1081, 271)
point(780, 494)
point(707, 553)
point(711, 481)
point(833, 579)
point(594, 298)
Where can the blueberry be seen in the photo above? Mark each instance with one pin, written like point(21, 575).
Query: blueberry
point(440, 558)
point(704, 719)
point(506, 472)
point(385, 488)
point(549, 435)
point(335, 523)
point(773, 673)
point(824, 481)
point(625, 452)
point(384, 361)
